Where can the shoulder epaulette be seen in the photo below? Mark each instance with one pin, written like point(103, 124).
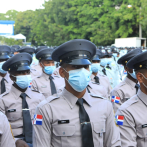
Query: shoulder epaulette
point(97, 96)
point(4, 94)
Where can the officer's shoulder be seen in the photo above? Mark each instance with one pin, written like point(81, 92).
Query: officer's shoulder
point(98, 96)
point(4, 94)
point(48, 100)
point(132, 101)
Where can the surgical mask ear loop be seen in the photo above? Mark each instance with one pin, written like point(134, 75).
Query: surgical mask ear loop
point(65, 77)
point(143, 83)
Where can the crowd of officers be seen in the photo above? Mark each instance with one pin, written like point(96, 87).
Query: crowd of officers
point(73, 95)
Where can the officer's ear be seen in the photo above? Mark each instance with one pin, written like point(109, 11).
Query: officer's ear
point(126, 68)
point(62, 72)
point(12, 77)
point(40, 63)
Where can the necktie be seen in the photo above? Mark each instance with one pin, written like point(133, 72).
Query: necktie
point(3, 88)
point(104, 71)
point(52, 84)
point(27, 123)
point(108, 67)
point(86, 130)
point(137, 86)
point(97, 79)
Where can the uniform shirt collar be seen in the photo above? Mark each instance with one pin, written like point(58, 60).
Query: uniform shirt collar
point(92, 76)
point(71, 99)
point(46, 76)
point(130, 82)
point(17, 92)
point(142, 96)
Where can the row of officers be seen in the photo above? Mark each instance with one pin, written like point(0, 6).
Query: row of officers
point(95, 98)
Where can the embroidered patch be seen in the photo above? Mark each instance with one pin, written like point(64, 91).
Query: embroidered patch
point(37, 119)
point(115, 99)
point(119, 119)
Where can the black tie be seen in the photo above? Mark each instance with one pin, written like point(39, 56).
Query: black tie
point(108, 67)
point(97, 79)
point(52, 84)
point(27, 123)
point(104, 71)
point(87, 139)
point(3, 88)
point(137, 86)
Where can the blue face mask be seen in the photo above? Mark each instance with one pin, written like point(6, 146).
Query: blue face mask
point(133, 75)
point(1, 70)
point(23, 81)
point(95, 67)
point(103, 62)
point(78, 79)
point(49, 69)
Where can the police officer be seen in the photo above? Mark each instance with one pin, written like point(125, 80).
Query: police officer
point(75, 118)
point(5, 84)
point(134, 128)
point(34, 73)
point(98, 79)
point(6, 138)
point(20, 103)
point(128, 87)
point(47, 83)
point(35, 64)
point(103, 70)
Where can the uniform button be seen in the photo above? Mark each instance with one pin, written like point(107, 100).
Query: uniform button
point(63, 133)
point(102, 130)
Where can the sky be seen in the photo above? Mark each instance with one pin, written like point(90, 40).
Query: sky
point(20, 5)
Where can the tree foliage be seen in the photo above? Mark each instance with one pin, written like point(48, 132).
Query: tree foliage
point(100, 21)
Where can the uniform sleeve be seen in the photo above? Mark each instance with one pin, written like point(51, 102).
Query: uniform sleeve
point(42, 133)
point(127, 130)
point(2, 106)
point(112, 134)
point(119, 94)
point(34, 86)
point(6, 137)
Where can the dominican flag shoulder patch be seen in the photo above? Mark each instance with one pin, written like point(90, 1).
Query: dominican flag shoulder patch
point(119, 119)
point(37, 119)
point(115, 99)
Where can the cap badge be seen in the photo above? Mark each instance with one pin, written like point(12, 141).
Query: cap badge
point(140, 66)
point(60, 60)
point(126, 61)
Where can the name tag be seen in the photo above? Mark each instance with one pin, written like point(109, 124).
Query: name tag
point(12, 110)
point(43, 86)
point(144, 126)
point(63, 121)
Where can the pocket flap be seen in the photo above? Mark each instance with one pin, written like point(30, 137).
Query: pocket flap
point(61, 130)
point(141, 132)
point(14, 115)
point(99, 127)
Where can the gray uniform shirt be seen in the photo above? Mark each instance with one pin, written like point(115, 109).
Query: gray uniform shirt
point(42, 84)
point(11, 106)
point(8, 82)
point(125, 90)
point(54, 109)
point(6, 138)
point(134, 128)
point(104, 81)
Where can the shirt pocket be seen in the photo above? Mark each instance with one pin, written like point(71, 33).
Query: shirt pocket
point(141, 137)
point(14, 116)
point(65, 134)
point(98, 133)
